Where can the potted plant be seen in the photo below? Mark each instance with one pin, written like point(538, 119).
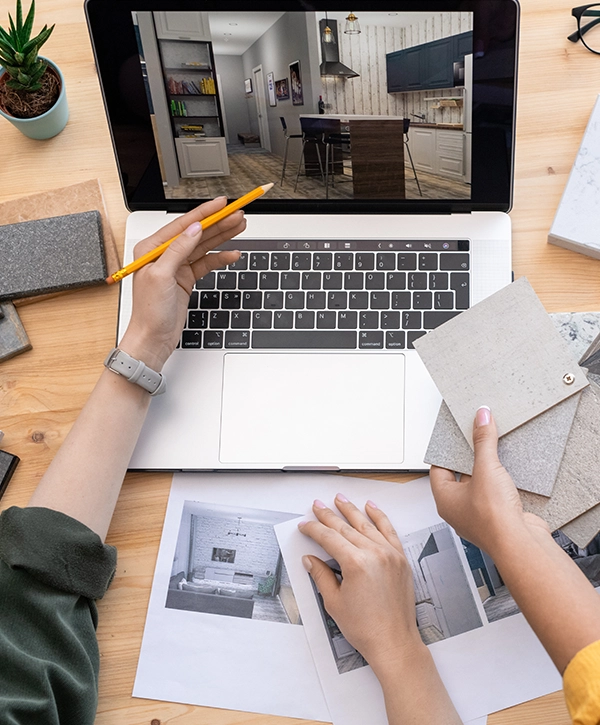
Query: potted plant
point(32, 88)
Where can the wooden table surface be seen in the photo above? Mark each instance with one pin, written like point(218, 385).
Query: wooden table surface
point(42, 391)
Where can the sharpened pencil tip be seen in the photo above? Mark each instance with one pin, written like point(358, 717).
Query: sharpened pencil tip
point(267, 187)
point(110, 280)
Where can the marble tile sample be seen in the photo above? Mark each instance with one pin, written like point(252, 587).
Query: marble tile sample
point(504, 352)
point(577, 218)
point(579, 330)
point(531, 453)
point(577, 486)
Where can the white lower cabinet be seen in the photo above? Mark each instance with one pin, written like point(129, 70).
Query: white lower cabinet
point(202, 157)
point(438, 151)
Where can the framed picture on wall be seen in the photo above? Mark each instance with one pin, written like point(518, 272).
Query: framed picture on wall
point(296, 84)
point(248, 85)
point(271, 89)
point(282, 89)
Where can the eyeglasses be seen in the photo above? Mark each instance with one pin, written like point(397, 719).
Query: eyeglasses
point(588, 27)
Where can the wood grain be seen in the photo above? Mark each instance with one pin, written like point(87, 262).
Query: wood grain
point(42, 391)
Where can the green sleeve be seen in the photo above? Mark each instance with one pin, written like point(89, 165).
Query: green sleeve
point(52, 567)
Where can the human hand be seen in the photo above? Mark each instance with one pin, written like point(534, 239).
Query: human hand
point(483, 508)
point(162, 289)
point(374, 604)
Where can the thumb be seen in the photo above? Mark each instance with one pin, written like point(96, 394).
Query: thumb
point(323, 577)
point(181, 248)
point(485, 437)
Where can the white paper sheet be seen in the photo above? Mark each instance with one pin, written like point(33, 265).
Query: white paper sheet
point(489, 668)
point(229, 661)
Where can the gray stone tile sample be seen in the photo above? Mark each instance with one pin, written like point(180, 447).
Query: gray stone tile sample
point(504, 352)
point(13, 338)
point(583, 529)
point(578, 329)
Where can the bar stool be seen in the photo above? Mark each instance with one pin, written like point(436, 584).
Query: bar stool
point(312, 133)
point(406, 122)
point(333, 141)
point(287, 136)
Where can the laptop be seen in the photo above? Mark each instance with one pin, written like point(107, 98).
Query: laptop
point(388, 131)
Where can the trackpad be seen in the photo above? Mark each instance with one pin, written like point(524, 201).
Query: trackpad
point(313, 409)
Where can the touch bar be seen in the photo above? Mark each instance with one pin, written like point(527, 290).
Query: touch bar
point(304, 339)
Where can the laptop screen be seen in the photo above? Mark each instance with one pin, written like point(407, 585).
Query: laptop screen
point(345, 111)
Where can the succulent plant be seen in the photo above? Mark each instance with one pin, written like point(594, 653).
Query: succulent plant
point(19, 52)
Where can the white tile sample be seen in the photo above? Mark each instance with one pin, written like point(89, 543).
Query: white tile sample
point(505, 353)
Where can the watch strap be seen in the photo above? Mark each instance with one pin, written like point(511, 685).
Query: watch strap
point(135, 371)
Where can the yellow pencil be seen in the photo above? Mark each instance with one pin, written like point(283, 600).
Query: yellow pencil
point(208, 222)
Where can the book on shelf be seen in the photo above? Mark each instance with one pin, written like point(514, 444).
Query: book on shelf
point(192, 127)
point(178, 109)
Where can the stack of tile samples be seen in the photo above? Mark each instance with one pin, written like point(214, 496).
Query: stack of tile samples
point(508, 353)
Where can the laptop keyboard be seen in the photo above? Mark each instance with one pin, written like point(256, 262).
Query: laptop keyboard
point(330, 295)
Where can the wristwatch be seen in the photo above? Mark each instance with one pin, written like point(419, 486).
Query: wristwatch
point(135, 371)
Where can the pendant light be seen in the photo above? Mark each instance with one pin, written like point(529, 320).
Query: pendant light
point(352, 25)
point(327, 36)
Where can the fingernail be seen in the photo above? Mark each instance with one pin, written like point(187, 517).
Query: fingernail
point(307, 563)
point(193, 229)
point(341, 497)
point(220, 198)
point(301, 524)
point(483, 416)
point(319, 504)
point(372, 505)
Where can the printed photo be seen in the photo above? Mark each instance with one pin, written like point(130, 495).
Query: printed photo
point(282, 89)
point(227, 562)
point(296, 84)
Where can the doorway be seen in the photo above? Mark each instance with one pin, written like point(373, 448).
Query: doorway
point(261, 107)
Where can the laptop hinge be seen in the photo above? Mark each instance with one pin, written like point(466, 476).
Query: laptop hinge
point(310, 468)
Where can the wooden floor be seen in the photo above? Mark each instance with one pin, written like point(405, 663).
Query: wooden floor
point(256, 166)
point(270, 609)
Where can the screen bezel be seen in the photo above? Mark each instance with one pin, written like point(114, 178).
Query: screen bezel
point(493, 124)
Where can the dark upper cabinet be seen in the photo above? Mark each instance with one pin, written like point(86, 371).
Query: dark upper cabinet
point(427, 66)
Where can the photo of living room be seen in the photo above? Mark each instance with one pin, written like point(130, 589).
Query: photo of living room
point(227, 562)
point(329, 105)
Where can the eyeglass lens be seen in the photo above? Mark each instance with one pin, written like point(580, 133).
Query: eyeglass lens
point(589, 27)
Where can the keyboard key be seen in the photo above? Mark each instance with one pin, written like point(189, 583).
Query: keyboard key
point(305, 320)
point(435, 319)
point(438, 280)
point(268, 280)
point(294, 300)
point(364, 260)
point(213, 338)
point(370, 339)
point(259, 260)
point(301, 260)
point(459, 282)
point(343, 260)
point(380, 300)
point(347, 320)
point(359, 301)
point(322, 261)
point(206, 282)
point(311, 280)
point(422, 300)
point(332, 280)
point(226, 280)
point(262, 319)
point(411, 320)
point(443, 300)
point(304, 339)
point(451, 261)
point(375, 280)
point(194, 300)
point(191, 338)
point(401, 301)
point(354, 280)
point(273, 300)
point(210, 300)
point(231, 300)
point(290, 280)
point(283, 319)
point(240, 319)
point(237, 338)
point(326, 320)
point(386, 260)
point(252, 300)
point(337, 300)
point(396, 280)
point(390, 320)
point(428, 260)
point(394, 340)
point(368, 320)
point(280, 261)
point(315, 300)
point(412, 336)
point(219, 319)
point(242, 263)
point(248, 280)
point(407, 260)
point(417, 280)
point(197, 319)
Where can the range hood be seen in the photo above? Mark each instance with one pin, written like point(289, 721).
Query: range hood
point(330, 53)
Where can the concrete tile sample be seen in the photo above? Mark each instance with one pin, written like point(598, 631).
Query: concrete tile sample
point(583, 529)
point(577, 486)
point(504, 352)
point(531, 453)
point(579, 330)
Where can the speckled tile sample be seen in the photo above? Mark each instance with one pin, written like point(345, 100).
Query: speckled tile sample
point(579, 330)
point(503, 352)
point(13, 338)
point(583, 529)
point(51, 254)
